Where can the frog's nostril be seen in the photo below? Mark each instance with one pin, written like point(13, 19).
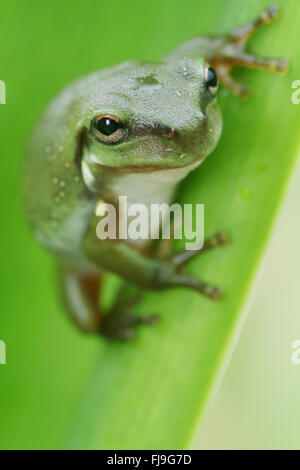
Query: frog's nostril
point(171, 133)
point(155, 130)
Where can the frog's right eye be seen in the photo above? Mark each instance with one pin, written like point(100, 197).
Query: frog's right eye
point(108, 128)
point(211, 80)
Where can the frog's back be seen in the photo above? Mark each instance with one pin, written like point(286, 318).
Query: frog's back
point(58, 204)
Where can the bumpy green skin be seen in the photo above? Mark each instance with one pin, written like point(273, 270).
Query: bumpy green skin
point(172, 123)
point(59, 203)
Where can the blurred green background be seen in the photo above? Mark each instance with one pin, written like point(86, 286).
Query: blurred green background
point(43, 46)
point(258, 406)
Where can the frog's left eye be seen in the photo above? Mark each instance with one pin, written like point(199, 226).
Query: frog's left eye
point(108, 128)
point(211, 80)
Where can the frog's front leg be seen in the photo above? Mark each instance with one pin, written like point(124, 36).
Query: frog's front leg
point(147, 272)
point(124, 260)
point(231, 52)
point(228, 51)
point(81, 288)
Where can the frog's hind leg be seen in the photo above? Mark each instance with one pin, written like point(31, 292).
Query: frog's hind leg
point(232, 53)
point(80, 291)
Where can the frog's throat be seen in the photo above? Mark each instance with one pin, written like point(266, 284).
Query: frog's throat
point(141, 186)
point(147, 188)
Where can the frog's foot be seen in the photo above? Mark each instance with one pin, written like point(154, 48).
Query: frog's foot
point(81, 291)
point(172, 273)
point(120, 324)
point(232, 53)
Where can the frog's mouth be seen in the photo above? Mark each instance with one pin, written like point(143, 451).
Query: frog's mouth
point(101, 177)
point(146, 168)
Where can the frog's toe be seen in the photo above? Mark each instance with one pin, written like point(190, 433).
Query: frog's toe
point(282, 65)
point(121, 326)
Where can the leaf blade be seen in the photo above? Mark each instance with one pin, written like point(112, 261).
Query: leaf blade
point(151, 394)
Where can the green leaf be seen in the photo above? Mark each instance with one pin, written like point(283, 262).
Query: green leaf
point(152, 393)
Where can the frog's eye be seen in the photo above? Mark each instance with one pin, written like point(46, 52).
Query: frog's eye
point(108, 128)
point(211, 80)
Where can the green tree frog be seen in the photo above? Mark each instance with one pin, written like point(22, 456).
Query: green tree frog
point(136, 129)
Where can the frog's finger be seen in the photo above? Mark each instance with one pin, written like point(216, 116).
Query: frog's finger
point(242, 33)
point(226, 80)
point(184, 280)
point(241, 58)
point(182, 258)
point(278, 65)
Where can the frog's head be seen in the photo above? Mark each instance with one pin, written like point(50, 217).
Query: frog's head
point(146, 117)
